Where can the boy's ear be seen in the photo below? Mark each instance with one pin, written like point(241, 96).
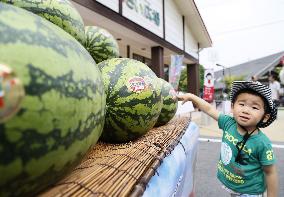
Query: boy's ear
point(266, 117)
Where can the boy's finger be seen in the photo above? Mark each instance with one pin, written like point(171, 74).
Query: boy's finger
point(180, 98)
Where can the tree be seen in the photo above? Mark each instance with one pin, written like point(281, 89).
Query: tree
point(183, 78)
point(229, 79)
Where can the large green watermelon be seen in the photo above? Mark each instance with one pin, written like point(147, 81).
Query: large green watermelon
point(100, 44)
point(60, 12)
point(170, 103)
point(134, 99)
point(52, 102)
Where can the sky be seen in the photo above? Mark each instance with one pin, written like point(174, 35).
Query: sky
point(241, 30)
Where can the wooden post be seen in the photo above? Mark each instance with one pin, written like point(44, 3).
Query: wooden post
point(193, 78)
point(157, 56)
point(127, 51)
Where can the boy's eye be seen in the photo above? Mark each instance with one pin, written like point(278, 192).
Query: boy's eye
point(255, 108)
point(241, 104)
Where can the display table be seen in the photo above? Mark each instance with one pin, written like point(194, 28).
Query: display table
point(175, 176)
point(161, 163)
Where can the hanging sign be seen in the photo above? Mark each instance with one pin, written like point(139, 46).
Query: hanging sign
point(146, 13)
point(208, 90)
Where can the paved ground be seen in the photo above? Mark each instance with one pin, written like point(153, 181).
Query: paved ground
point(207, 184)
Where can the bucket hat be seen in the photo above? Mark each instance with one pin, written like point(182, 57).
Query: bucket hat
point(262, 90)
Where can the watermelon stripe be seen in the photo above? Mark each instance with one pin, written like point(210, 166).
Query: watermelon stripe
point(133, 115)
point(32, 186)
point(11, 151)
point(123, 134)
point(60, 12)
point(65, 84)
point(54, 42)
point(100, 44)
point(169, 103)
point(61, 17)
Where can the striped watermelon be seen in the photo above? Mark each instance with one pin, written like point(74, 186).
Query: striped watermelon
point(170, 103)
point(100, 44)
point(60, 12)
point(52, 102)
point(134, 99)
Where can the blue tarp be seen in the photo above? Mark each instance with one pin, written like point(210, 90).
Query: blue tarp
point(175, 176)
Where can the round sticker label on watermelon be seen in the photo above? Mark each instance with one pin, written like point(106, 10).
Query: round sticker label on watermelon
point(136, 84)
point(11, 93)
point(150, 83)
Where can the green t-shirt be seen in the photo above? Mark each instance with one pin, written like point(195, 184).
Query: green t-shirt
point(248, 177)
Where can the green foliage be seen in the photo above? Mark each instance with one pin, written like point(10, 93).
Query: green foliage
point(201, 76)
point(229, 79)
point(183, 79)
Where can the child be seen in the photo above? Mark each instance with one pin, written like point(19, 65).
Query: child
point(247, 164)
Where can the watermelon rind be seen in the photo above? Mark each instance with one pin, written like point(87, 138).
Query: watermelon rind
point(131, 110)
point(100, 43)
point(60, 12)
point(170, 103)
point(62, 113)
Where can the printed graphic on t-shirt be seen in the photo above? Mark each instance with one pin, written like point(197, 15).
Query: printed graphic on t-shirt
point(269, 155)
point(237, 170)
point(229, 176)
point(226, 153)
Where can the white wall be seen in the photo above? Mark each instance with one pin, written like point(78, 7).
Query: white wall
point(112, 4)
point(191, 46)
point(142, 12)
point(173, 23)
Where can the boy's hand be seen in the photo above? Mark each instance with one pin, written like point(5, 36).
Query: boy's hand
point(181, 98)
point(184, 98)
point(200, 103)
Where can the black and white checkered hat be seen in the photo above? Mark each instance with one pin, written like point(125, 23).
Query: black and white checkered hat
point(261, 89)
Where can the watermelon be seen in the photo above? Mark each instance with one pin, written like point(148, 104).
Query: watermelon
point(60, 12)
point(52, 102)
point(134, 99)
point(170, 103)
point(100, 44)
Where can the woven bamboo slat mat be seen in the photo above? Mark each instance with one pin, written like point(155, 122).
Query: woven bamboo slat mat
point(121, 169)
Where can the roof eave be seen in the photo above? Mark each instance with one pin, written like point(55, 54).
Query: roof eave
point(194, 20)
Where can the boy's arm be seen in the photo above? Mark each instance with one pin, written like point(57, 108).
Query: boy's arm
point(271, 180)
point(201, 104)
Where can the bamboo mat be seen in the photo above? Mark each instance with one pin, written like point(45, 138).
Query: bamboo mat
point(121, 169)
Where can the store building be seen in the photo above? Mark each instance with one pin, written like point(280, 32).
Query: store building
point(152, 30)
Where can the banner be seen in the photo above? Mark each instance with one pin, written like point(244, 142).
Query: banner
point(208, 90)
point(175, 70)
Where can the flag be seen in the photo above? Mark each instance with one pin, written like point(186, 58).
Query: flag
point(175, 70)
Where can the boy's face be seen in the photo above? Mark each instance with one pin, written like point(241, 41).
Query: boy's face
point(248, 110)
